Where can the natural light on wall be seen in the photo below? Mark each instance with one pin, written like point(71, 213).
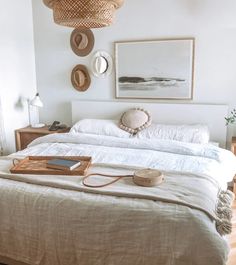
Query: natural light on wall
point(84, 14)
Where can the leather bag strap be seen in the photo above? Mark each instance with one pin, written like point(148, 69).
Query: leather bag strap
point(117, 177)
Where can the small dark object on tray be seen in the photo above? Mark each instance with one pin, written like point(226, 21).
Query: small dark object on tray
point(63, 164)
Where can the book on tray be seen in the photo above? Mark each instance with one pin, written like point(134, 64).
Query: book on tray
point(63, 164)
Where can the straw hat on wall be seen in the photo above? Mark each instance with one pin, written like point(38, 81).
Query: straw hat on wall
point(82, 41)
point(80, 77)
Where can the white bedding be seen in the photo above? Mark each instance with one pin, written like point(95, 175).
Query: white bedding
point(161, 154)
point(64, 226)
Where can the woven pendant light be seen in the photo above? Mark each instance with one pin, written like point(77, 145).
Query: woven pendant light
point(84, 13)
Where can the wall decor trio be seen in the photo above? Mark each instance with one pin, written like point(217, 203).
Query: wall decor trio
point(82, 43)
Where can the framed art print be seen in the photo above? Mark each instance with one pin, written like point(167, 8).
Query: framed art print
point(157, 69)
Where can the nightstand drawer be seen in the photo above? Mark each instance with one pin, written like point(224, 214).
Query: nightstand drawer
point(26, 135)
point(233, 145)
point(26, 138)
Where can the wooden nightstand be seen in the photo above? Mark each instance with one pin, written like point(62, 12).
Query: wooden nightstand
point(233, 149)
point(26, 135)
point(233, 145)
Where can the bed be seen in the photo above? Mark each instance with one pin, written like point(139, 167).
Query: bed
point(56, 220)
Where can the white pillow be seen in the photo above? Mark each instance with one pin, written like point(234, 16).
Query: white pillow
point(184, 133)
point(99, 127)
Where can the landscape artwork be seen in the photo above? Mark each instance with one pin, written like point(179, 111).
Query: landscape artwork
point(159, 69)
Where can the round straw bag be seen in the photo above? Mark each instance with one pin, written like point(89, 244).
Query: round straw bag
point(83, 14)
point(148, 177)
point(144, 177)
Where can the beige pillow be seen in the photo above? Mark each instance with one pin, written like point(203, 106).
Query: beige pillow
point(135, 120)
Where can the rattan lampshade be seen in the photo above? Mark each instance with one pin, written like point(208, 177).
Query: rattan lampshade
point(84, 13)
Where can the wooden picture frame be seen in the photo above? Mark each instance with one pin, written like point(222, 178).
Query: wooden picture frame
point(155, 69)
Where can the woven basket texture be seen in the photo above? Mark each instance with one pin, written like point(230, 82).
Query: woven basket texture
point(84, 13)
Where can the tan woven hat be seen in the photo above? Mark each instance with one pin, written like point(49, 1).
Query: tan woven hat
point(84, 14)
point(80, 77)
point(82, 41)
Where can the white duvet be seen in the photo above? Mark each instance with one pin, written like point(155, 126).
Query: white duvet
point(161, 154)
point(67, 227)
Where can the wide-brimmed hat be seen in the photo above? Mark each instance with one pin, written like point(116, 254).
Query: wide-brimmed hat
point(82, 41)
point(80, 77)
point(101, 64)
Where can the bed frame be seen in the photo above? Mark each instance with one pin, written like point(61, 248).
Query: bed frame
point(209, 114)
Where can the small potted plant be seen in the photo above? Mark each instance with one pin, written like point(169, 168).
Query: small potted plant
point(231, 119)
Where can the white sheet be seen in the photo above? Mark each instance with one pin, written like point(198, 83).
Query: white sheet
point(68, 228)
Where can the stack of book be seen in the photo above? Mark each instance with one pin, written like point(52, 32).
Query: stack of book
point(63, 164)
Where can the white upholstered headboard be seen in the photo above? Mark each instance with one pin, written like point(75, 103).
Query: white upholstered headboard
point(209, 114)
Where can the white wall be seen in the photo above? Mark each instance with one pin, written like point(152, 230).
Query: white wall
point(17, 65)
point(211, 22)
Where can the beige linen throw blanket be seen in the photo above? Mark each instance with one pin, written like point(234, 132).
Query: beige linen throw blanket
point(185, 189)
point(47, 206)
point(50, 220)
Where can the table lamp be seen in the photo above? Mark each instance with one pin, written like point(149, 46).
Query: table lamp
point(36, 103)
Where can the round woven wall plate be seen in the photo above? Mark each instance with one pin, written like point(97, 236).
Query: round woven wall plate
point(82, 41)
point(80, 77)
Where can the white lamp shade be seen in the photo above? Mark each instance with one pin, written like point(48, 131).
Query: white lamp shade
point(36, 101)
point(33, 112)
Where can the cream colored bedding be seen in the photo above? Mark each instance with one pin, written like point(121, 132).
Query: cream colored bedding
point(54, 220)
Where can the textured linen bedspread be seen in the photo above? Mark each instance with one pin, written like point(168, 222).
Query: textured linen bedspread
point(45, 220)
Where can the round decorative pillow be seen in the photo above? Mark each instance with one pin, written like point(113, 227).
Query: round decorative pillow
point(135, 120)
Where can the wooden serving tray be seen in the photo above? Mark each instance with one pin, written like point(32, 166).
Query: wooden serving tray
point(37, 165)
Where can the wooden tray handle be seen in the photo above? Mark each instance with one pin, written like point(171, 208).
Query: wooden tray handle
point(16, 161)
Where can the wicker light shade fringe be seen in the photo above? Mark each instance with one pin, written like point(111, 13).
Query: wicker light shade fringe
point(84, 13)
